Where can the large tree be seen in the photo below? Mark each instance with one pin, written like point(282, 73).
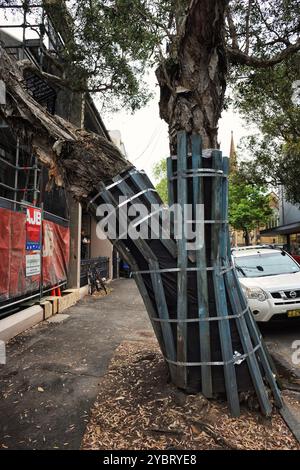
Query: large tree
point(108, 44)
point(268, 98)
point(192, 47)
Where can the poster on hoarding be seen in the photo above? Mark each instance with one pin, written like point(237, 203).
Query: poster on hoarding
point(33, 229)
point(33, 264)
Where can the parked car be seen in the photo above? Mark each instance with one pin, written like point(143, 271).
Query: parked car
point(270, 279)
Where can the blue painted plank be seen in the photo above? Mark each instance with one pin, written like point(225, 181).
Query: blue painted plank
point(203, 309)
point(182, 261)
point(220, 293)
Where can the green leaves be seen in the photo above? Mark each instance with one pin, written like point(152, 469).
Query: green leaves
point(248, 205)
point(160, 175)
point(266, 98)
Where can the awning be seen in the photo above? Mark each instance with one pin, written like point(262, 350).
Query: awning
point(282, 230)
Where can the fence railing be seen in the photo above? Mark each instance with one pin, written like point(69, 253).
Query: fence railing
point(101, 263)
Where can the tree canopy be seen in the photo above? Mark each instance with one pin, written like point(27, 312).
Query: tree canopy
point(112, 42)
point(249, 206)
point(268, 97)
point(160, 175)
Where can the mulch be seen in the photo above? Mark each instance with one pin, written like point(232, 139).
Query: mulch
point(137, 408)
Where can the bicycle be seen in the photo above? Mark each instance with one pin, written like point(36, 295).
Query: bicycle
point(95, 281)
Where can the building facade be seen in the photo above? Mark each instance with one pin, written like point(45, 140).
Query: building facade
point(46, 238)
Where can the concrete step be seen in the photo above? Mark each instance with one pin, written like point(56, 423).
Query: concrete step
point(19, 322)
point(37, 311)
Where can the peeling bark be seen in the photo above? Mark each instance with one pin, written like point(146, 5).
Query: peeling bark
point(197, 74)
point(76, 159)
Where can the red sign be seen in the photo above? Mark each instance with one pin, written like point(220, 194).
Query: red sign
point(33, 229)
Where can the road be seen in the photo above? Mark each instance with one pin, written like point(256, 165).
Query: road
point(283, 341)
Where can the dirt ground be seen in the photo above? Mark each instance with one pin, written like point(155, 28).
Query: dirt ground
point(137, 408)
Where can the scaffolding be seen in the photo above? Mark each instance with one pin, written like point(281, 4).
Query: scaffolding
point(27, 33)
point(33, 38)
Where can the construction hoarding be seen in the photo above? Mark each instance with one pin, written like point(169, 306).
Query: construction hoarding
point(22, 235)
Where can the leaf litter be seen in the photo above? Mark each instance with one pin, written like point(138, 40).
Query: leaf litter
point(138, 408)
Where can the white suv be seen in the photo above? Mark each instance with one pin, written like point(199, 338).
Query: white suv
point(270, 279)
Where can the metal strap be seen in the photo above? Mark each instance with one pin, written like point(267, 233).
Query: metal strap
point(197, 175)
point(173, 270)
point(139, 222)
point(132, 172)
point(206, 153)
point(234, 360)
point(207, 221)
point(135, 196)
point(200, 319)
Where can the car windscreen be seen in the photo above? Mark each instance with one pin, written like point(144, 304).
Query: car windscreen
point(265, 264)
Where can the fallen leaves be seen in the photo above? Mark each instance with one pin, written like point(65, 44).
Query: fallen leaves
point(138, 409)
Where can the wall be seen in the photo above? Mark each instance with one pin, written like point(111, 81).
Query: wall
point(101, 247)
point(289, 213)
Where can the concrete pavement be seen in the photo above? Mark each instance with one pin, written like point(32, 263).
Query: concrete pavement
point(51, 377)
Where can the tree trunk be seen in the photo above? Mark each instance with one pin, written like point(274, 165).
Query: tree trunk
point(246, 237)
point(76, 159)
point(192, 80)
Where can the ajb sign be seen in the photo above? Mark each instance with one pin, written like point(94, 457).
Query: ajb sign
point(33, 229)
point(34, 216)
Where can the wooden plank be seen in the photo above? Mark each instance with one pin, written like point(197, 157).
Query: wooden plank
point(250, 323)
point(237, 308)
point(158, 290)
point(203, 309)
point(261, 352)
point(225, 192)
point(162, 308)
point(126, 255)
point(245, 338)
point(220, 293)
point(182, 261)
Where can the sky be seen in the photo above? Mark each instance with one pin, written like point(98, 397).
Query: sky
point(145, 135)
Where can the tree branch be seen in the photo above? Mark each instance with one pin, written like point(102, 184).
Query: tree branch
point(26, 65)
point(271, 30)
point(232, 29)
point(236, 56)
point(248, 15)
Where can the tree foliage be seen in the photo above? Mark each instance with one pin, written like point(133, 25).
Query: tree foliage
point(160, 175)
point(109, 44)
point(269, 98)
point(249, 205)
